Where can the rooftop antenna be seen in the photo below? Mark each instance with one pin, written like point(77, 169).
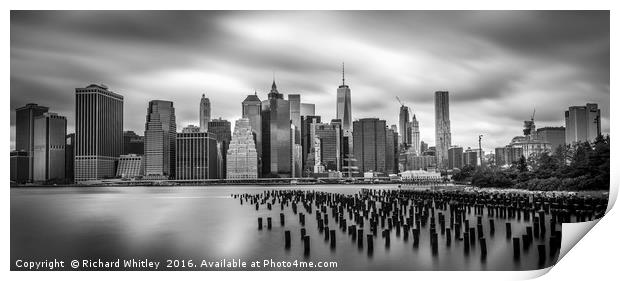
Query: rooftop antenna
point(343, 73)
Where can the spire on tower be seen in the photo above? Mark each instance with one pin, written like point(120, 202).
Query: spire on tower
point(343, 73)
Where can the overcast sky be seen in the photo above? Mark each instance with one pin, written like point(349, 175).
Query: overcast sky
point(497, 66)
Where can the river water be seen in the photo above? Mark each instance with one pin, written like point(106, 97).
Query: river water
point(205, 223)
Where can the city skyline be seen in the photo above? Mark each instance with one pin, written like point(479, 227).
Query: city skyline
point(485, 75)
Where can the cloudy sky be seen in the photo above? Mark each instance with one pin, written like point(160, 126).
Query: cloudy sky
point(497, 66)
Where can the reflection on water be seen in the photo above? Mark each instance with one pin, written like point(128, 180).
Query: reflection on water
point(206, 223)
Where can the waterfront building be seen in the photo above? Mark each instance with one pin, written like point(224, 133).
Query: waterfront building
point(343, 104)
point(455, 157)
point(443, 137)
point(70, 157)
point(205, 113)
point(369, 137)
point(391, 151)
point(130, 166)
point(221, 129)
point(197, 156)
point(555, 136)
point(276, 135)
point(50, 132)
point(242, 157)
point(133, 143)
point(420, 175)
point(98, 132)
point(583, 123)
point(24, 136)
point(20, 162)
point(160, 140)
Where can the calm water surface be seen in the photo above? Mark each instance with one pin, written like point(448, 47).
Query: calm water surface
point(206, 223)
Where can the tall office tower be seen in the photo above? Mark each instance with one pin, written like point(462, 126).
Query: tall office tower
point(343, 104)
point(130, 166)
point(404, 126)
point(556, 136)
point(251, 109)
point(443, 137)
point(24, 135)
point(221, 129)
point(242, 158)
point(205, 113)
point(455, 157)
point(423, 147)
point(415, 136)
point(307, 109)
point(330, 150)
point(197, 156)
point(296, 150)
point(160, 140)
point(391, 150)
point(369, 144)
point(98, 132)
point(295, 112)
point(276, 133)
point(50, 132)
point(69, 157)
point(133, 143)
point(583, 123)
point(307, 141)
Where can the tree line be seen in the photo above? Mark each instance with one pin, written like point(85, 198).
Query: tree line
point(578, 166)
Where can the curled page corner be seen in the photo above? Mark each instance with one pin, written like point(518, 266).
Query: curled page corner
point(572, 233)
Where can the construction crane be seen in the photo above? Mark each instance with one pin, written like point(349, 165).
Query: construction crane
point(534, 113)
point(398, 99)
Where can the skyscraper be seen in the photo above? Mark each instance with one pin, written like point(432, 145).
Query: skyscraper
point(50, 132)
point(343, 104)
point(98, 132)
point(307, 140)
point(583, 123)
point(276, 135)
point(24, 136)
point(415, 136)
point(391, 151)
point(160, 140)
point(330, 146)
point(221, 130)
point(369, 144)
point(403, 126)
point(307, 109)
point(251, 109)
point(70, 157)
point(197, 156)
point(556, 136)
point(455, 157)
point(205, 113)
point(443, 138)
point(242, 159)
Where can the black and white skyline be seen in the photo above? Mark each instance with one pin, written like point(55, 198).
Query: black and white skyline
point(497, 66)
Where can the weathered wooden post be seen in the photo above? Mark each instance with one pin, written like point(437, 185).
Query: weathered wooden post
point(287, 239)
point(281, 219)
point(516, 248)
point(260, 223)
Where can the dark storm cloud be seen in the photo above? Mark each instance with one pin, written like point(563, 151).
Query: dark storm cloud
point(498, 66)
